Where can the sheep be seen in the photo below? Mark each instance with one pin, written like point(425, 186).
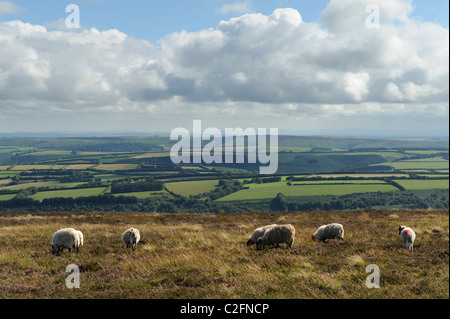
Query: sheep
point(80, 241)
point(277, 235)
point(131, 237)
point(64, 238)
point(408, 236)
point(259, 232)
point(330, 231)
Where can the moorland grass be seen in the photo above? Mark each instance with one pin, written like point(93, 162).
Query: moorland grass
point(205, 256)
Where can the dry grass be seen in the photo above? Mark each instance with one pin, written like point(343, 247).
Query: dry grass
point(205, 256)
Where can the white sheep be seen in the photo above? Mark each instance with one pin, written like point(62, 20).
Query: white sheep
point(277, 235)
point(64, 238)
point(80, 240)
point(330, 231)
point(408, 236)
point(131, 237)
point(259, 232)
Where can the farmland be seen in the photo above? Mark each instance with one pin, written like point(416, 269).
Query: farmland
point(69, 193)
point(192, 187)
point(434, 163)
point(261, 191)
point(204, 256)
point(310, 169)
point(423, 184)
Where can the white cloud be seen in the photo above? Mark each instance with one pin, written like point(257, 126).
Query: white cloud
point(276, 65)
point(356, 85)
point(59, 24)
point(234, 8)
point(8, 7)
point(348, 15)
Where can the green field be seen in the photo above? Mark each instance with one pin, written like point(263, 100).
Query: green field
point(431, 159)
point(436, 163)
point(361, 175)
point(191, 187)
point(6, 174)
point(334, 182)
point(423, 184)
point(270, 190)
point(44, 162)
point(69, 193)
point(7, 197)
point(52, 184)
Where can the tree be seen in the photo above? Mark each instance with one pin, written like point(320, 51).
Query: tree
point(279, 203)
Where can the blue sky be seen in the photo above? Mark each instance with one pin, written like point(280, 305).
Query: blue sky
point(152, 20)
point(300, 66)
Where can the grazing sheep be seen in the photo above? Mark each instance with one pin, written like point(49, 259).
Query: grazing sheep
point(408, 236)
point(259, 232)
point(131, 237)
point(64, 238)
point(277, 235)
point(80, 241)
point(330, 231)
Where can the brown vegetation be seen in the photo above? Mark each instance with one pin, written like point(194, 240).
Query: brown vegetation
point(205, 256)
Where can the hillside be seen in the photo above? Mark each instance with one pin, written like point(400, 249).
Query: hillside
point(205, 256)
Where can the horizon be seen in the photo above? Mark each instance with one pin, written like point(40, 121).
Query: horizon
point(131, 134)
point(342, 68)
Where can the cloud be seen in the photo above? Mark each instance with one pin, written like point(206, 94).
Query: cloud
point(276, 65)
point(348, 15)
point(234, 8)
point(8, 7)
point(59, 24)
point(282, 59)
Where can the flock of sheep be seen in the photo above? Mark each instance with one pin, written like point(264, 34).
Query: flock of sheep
point(270, 235)
point(71, 238)
point(279, 234)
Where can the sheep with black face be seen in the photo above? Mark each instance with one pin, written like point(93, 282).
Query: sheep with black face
point(258, 232)
point(277, 235)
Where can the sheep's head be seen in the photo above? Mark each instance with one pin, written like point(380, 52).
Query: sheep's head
point(250, 242)
point(400, 229)
point(313, 237)
point(53, 249)
point(260, 243)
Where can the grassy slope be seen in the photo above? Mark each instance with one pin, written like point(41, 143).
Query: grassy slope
point(270, 190)
point(192, 187)
point(423, 184)
point(82, 192)
point(205, 256)
point(423, 164)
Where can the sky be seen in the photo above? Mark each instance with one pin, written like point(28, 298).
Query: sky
point(304, 67)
